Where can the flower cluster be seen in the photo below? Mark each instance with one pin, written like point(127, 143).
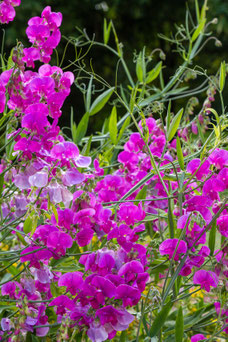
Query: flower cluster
point(70, 214)
point(7, 11)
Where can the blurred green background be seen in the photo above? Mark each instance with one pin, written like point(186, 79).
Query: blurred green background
point(137, 23)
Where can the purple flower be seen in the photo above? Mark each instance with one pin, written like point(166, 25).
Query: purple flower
point(6, 324)
point(9, 289)
point(198, 337)
point(168, 247)
point(68, 150)
point(119, 319)
point(39, 179)
point(219, 158)
point(97, 333)
point(59, 242)
point(206, 279)
point(212, 186)
point(129, 295)
point(72, 177)
point(62, 302)
point(203, 170)
point(131, 213)
point(222, 223)
point(73, 281)
point(106, 286)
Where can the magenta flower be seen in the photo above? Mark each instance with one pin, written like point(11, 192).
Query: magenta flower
point(39, 179)
point(97, 333)
point(219, 158)
point(205, 279)
point(168, 247)
point(128, 294)
point(203, 170)
point(9, 289)
point(68, 150)
point(222, 223)
point(198, 337)
point(59, 242)
point(62, 302)
point(73, 281)
point(119, 319)
point(35, 118)
point(6, 324)
point(72, 177)
point(212, 186)
point(131, 213)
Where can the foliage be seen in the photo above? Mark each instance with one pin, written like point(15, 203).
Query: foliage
point(126, 238)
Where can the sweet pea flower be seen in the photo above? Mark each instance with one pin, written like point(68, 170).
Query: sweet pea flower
point(6, 324)
point(219, 158)
point(205, 279)
point(119, 319)
point(168, 247)
point(222, 223)
point(97, 333)
point(202, 170)
point(73, 281)
point(58, 242)
point(198, 337)
point(62, 302)
point(68, 151)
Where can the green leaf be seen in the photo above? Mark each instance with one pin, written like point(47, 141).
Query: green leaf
point(27, 228)
point(198, 30)
point(10, 63)
point(179, 329)
point(100, 101)
point(212, 238)
point(82, 128)
point(1, 184)
point(73, 125)
point(153, 74)
point(107, 29)
point(125, 125)
point(86, 148)
point(160, 319)
point(222, 76)
point(174, 124)
point(140, 66)
point(180, 156)
point(168, 116)
point(113, 126)
point(88, 94)
point(141, 194)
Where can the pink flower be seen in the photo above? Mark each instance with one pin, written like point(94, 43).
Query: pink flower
point(198, 337)
point(222, 223)
point(206, 279)
point(73, 281)
point(168, 247)
point(59, 242)
point(194, 165)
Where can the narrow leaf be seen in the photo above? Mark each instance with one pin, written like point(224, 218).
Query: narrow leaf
point(100, 101)
point(180, 156)
point(212, 238)
point(27, 228)
point(125, 125)
point(113, 126)
point(140, 67)
point(82, 128)
point(107, 29)
point(88, 94)
point(179, 329)
point(160, 319)
point(153, 74)
point(174, 124)
point(222, 76)
point(198, 30)
point(141, 194)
